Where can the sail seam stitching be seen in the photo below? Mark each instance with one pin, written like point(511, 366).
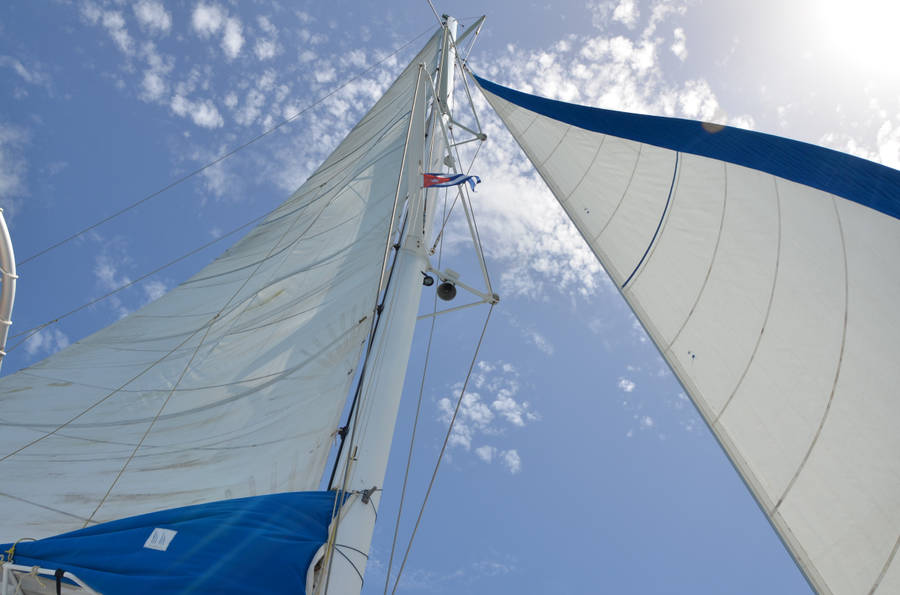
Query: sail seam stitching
point(837, 373)
point(558, 145)
point(612, 215)
point(209, 325)
point(765, 323)
point(886, 566)
point(588, 168)
point(658, 225)
point(44, 506)
point(712, 261)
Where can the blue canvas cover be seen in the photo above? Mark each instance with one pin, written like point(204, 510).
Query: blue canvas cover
point(261, 544)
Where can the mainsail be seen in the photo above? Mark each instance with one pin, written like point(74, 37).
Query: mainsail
point(232, 384)
point(765, 271)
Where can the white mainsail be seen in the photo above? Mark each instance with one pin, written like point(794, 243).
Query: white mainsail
point(232, 384)
point(773, 297)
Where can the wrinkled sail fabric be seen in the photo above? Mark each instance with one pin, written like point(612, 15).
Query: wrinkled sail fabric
point(232, 384)
point(767, 272)
point(262, 544)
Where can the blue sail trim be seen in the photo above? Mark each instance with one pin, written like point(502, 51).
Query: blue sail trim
point(261, 544)
point(859, 180)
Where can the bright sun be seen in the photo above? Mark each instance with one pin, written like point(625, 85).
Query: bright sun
point(864, 34)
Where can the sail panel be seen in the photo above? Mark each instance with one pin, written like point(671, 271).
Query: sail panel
point(770, 286)
point(229, 386)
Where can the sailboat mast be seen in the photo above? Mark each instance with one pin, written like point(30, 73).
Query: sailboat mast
point(361, 470)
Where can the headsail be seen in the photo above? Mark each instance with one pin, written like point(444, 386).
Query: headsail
point(765, 271)
point(232, 384)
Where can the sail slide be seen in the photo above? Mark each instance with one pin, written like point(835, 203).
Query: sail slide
point(766, 272)
point(231, 385)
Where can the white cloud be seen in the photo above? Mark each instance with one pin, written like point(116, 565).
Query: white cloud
point(848, 144)
point(154, 290)
point(153, 16)
point(47, 341)
point(107, 272)
point(233, 38)
point(491, 398)
point(207, 19)
point(13, 167)
point(888, 140)
point(626, 385)
point(354, 58)
point(265, 49)
point(486, 453)
point(31, 75)
point(268, 47)
point(91, 12)
point(662, 9)
point(114, 23)
point(626, 12)
point(153, 86)
point(508, 458)
point(638, 332)
point(267, 25)
point(698, 101)
point(202, 112)
point(511, 460)
point(514, 411)
point(531, 335)
point(679, 46)
point(251, 109)
point(324, 74)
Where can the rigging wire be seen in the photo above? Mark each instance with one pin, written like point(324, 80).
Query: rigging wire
point(412, 439)
point(222, 157)
point(150, 366)
point(437, 463)
point(36, 329)
point(209, 325)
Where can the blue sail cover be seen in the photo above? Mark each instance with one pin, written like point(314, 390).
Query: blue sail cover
point(261, 544)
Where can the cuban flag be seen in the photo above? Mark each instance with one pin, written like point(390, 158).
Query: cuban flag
point(446, 180)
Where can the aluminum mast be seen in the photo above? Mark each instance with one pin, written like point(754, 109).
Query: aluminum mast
point(382, 388)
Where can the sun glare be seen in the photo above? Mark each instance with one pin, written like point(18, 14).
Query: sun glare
point(863, 34)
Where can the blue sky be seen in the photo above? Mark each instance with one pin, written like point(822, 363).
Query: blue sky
point(578, 465)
